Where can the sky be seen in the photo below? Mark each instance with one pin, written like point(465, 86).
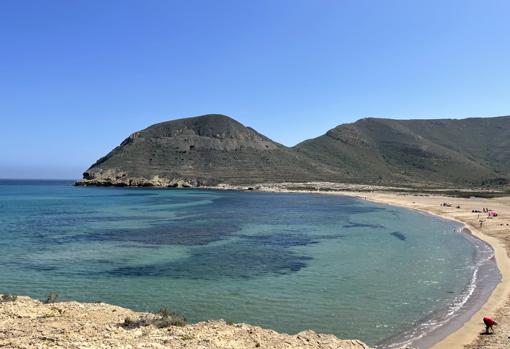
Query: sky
point(77, 77)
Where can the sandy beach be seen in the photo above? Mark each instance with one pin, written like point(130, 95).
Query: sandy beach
point(495, 231)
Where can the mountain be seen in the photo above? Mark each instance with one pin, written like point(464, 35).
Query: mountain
point(474, 151)
point(213, 149)
point(197, 151)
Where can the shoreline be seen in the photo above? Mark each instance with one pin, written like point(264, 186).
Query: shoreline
point(466, 334)
point(435, 327)
point(469, 331)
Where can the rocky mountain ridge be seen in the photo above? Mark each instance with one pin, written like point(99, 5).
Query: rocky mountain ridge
point(215, 149)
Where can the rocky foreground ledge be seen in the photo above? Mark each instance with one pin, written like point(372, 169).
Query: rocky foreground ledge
point(28, 323)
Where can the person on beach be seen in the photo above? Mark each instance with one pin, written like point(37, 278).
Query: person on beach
point(488, 324)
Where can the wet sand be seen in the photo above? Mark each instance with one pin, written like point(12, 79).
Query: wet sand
point(496, 232)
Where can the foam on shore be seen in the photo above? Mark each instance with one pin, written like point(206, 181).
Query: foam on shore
point(439, 325)
point(464, 329)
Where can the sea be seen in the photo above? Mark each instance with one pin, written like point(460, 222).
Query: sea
point(285, 261)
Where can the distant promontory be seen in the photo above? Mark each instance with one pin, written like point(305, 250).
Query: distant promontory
point(215, 149)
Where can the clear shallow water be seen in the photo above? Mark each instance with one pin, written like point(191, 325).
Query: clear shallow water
point(285, 261)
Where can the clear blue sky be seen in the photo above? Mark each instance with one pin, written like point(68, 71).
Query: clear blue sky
point(77, 77)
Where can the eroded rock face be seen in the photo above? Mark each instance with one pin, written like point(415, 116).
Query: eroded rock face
point(117, 178)
point(27, 323)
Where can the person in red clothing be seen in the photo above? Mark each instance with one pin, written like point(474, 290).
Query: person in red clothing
point(488, 324)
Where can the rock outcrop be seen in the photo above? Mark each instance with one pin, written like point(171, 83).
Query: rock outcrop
point(27, 323)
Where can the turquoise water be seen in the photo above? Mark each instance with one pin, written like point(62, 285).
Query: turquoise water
point(285, 261)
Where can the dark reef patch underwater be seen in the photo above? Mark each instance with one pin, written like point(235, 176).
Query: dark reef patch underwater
point(285, 261)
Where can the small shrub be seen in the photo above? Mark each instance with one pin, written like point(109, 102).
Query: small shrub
point(169, 318)
point(52, 298)
point(134, 323)
point(165, 312)
point(175, 320)
point(128, 322)
point(9, 298)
